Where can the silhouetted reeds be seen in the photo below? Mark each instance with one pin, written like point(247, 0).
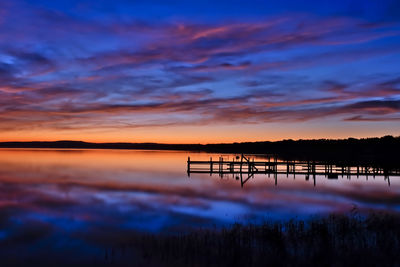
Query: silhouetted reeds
point(333, 241)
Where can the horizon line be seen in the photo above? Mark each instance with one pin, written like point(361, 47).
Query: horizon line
point(234, 142)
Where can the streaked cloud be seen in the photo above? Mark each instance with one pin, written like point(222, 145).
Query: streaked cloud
point(61, 70)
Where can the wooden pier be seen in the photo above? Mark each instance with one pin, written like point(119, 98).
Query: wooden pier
point(244, 165)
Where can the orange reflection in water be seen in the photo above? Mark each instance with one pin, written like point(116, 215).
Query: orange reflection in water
point(161, 175)
point(164, 173)
point(83, 199)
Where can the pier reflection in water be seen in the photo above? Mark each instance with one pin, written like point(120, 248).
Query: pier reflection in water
point(76, 203)
point(245, 167)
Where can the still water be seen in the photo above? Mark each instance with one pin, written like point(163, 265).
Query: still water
point(85, 200)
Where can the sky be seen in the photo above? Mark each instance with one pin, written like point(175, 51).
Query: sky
point(198, 71)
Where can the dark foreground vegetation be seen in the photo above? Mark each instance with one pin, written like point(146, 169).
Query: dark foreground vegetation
point(337, 240)
point(381, 152)
point(334, 241)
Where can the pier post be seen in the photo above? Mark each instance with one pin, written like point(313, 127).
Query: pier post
point(188, 166)
point(220, 167)
point(211, 166)
point(294, 169)
point(386, 174)
point(287, 168)
point(314, 171)
point(241, 163)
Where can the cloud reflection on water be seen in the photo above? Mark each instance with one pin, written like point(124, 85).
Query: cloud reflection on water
point(79, 198)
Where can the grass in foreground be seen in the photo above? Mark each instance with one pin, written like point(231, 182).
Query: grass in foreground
point(334, 241)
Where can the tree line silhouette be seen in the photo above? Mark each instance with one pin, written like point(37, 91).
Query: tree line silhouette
point(381, 151)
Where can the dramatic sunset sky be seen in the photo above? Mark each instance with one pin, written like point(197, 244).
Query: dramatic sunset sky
point(198, 71)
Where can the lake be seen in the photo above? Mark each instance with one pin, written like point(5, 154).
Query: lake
point(68, 202)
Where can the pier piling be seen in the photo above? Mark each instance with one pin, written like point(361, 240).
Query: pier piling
point(251, 166)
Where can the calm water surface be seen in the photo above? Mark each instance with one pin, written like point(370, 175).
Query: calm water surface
point(85, 200)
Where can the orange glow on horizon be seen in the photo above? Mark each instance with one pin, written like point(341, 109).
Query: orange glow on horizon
point(202, 134)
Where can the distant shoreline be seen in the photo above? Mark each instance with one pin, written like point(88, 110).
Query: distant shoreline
point(379, 150)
